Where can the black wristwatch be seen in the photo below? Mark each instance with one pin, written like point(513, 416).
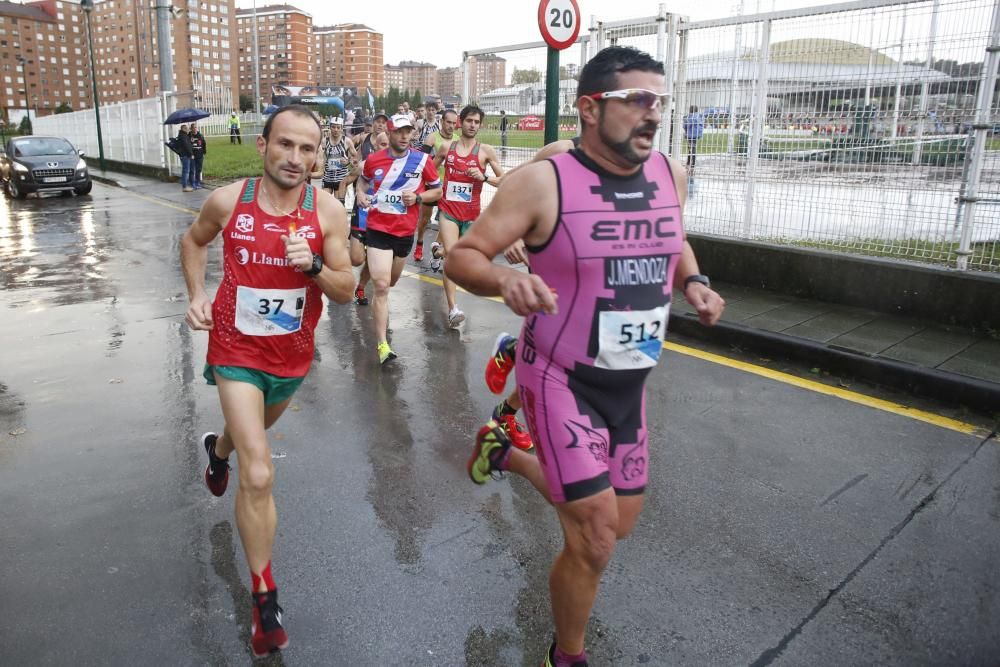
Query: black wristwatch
point(697, 278)
point(317, 266)
point(420, 200)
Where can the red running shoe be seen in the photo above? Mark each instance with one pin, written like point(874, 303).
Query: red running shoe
point(267, 635)
point(217, 471)
point(515, 430)
point(418, 252)
point(501, 363)
point(359, 297)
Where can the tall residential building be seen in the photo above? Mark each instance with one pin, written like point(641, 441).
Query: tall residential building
point(449, 81)
point(43, 49)
point(284, 45)
point(349, 54)
point(419, 77)
point(486, 73)
point(125, 51)
point(393, 77)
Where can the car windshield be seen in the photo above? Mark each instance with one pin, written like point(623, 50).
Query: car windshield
point(42, 146)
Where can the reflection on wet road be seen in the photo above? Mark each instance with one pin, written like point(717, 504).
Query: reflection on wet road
point(764, 498)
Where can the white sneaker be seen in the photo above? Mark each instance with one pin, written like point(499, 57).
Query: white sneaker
point(455, 317)
point(436, 259)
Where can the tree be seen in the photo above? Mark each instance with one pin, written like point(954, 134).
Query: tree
point(64, 107)
point(525, 76)
point(416, 100)
point(25, 126)
point(246, 102)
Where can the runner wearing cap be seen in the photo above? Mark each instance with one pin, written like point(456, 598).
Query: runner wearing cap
point(339, 155)
point(444, 134)
point(401, 180)
point(465, 162)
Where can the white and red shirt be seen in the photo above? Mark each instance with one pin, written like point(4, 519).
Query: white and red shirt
point(265, 311)
point(390, 176)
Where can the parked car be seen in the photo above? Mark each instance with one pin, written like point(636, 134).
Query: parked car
point(42, 164)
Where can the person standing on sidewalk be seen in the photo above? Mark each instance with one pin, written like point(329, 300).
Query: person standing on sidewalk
point(284, 247)
point(504, 122)
point(186, 153)
point(603, 228)
point(198, 150)
point(694, 128)
point(234, 129)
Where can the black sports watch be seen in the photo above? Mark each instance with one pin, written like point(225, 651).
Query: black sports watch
point(317, 266)
point(420, 200)
point(697, 278)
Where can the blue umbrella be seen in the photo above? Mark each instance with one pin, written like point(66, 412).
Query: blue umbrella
point(188, 115)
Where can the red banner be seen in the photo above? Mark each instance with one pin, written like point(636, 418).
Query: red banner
point(531, 123)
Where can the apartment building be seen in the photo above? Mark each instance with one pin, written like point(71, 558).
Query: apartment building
point(43, 57)
point(284, 44)
point(126, 58)
point(418, 76)
point(449, 82)
point(393, 77)
point(486, 73)
point(349, 54)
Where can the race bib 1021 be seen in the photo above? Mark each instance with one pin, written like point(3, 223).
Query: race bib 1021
point(459, 192)
point(390, 202)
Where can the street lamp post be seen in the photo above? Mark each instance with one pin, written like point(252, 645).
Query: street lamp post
point(88, 7)
point(22, 61)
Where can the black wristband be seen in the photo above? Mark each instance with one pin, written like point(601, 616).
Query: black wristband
point(317, 266)
point(420, 200)
point(697, 278)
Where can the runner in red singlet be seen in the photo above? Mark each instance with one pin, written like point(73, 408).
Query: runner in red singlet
point(465, 162)
point(284, 247)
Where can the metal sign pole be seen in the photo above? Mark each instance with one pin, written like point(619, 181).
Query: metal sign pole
point(552, 97)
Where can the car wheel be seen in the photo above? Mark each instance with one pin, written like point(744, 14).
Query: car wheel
point(14, 191)
point(84, 189)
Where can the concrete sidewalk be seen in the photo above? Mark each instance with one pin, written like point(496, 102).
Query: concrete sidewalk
point(957, 365)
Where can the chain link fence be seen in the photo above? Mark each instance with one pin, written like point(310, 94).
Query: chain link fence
point(850, 127)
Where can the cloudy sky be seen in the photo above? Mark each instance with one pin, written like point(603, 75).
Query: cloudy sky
point(487, 26)
point(962, 31)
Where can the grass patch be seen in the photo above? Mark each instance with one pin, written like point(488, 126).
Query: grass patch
point(227, 161)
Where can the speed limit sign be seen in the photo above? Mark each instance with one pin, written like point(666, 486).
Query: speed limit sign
point(559, 21)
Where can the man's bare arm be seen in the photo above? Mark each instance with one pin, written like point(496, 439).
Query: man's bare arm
point(336, 279)
point(527, 209)
point(211, 220)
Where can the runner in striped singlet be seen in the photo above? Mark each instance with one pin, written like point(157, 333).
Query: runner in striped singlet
point(339, 156)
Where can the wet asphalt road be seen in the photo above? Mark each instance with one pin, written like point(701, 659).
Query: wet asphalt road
point(782, 526)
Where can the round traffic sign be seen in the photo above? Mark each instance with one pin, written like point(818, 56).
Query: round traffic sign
point(559, 21)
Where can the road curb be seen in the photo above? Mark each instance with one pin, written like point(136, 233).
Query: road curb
point(107, 180)
point(952, 388)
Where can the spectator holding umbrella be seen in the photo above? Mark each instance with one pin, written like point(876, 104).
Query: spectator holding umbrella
point(186, 153)
point(198, 149)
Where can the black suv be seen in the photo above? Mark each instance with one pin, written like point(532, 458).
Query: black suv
point(41, 164)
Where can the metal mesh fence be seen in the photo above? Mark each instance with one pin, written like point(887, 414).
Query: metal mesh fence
point(843, 130)
point(520, 94)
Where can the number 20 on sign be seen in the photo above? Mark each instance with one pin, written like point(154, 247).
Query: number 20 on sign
point(559, 21)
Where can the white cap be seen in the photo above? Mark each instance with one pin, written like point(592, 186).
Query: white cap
point(336, 120)
point(399, 121)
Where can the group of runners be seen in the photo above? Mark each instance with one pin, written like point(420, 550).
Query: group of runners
point(597, 219)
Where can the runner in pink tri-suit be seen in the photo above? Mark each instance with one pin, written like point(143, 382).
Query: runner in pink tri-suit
point(603, 229)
